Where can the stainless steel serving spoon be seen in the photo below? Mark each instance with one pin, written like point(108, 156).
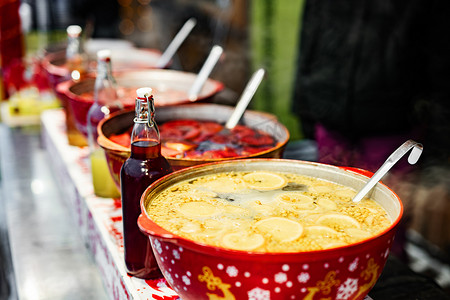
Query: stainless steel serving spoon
point(246, 97)
point(238, 111)
point(176, 43)
point(208, 66)
point(417, 149)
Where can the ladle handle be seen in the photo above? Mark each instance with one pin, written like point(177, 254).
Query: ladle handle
point(246, 96)
point(206, 69)
point(176, 43)
point(417, 149)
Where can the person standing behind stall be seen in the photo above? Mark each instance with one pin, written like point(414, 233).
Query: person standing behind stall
point(371, 75)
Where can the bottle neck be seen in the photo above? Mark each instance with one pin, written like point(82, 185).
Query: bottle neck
point(104, 69)
point(76, 59)
point(73, 46)
point(145, 131)
point(105, 89)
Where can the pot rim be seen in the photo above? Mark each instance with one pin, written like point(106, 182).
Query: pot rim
point(153, 230)
point(61, 70)
point(53, 69)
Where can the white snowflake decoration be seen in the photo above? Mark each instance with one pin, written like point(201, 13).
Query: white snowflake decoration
point(303, 277)
point(232, 271)
point(352, 267)
point(280, 277)
point(157, 246)
point(258, 294)
point(347, 289)
point(186, 280)
point(176, 254)
point(169, 278)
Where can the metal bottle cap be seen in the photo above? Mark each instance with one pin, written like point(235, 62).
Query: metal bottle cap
point(74, 30)
point(104, 54)
point(144, 92)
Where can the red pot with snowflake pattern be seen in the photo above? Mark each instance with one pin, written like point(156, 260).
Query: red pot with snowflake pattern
point(198, 271)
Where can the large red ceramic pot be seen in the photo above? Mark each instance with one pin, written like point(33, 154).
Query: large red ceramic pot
point(198, 271)
point(121, 122)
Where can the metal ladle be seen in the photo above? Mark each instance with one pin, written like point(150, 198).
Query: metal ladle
point(176, 43)
point(238, 111)
point(246, 97)
point(417, 149)
point(208, 66)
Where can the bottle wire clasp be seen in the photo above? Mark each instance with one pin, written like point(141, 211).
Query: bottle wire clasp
point(151, 110)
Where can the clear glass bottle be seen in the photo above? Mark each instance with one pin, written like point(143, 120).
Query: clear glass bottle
point(76, 57)
point(106, 101)
point(77, 65)
point(144, 166)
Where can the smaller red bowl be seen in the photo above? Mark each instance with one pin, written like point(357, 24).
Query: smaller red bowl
point(169, 88)
point(120, 122)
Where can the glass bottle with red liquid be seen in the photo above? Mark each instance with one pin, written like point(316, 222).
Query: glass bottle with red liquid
point(144, 166)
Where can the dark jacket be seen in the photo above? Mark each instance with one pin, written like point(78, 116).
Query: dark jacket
point(370, 67)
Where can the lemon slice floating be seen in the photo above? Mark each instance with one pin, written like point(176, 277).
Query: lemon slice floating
point(327, 204)
point(211, 228)
point(298, 199)
point(262, 209)
point(318, 230)
point(346, 193)
point(224, 185)
point(236, 211)
point(357, 234)
point(281, 229)
point(198, 209)
point(338, 221)
point(321, 189)
point(190, 228)
point(334, 243)
point(243, 241)
point(264, 181)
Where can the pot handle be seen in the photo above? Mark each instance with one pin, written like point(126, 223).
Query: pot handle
point(150, 228)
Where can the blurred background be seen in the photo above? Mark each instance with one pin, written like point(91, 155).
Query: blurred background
point(254, 34)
